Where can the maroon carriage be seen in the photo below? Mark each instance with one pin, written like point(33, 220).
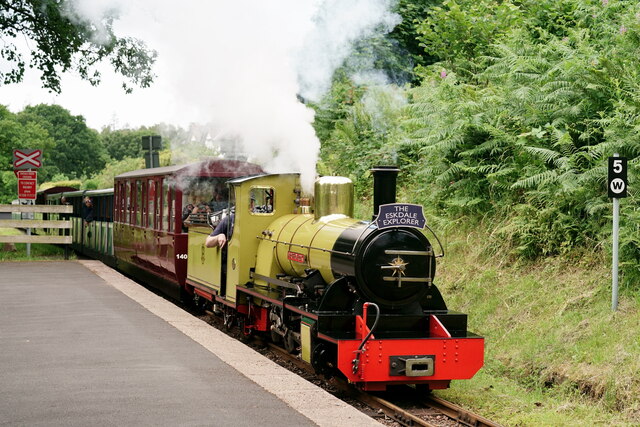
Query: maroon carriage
point(150, 240)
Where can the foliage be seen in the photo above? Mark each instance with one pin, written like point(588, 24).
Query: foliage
point(77, 151)
point(104, 179)
point(123, 143)
point(515, 121)
point(64, 40)
point(465, 29)
point(379, 59)
point(75, 183)
point(413, 13)
point(364, 137)
point(526, 133)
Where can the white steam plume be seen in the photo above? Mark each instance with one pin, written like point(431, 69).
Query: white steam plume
point(241, 64)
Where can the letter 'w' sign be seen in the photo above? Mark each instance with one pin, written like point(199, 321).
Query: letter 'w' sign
point(26, 159)
point(617, 177)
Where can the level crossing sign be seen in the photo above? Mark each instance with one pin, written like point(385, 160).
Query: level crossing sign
point(27, 159)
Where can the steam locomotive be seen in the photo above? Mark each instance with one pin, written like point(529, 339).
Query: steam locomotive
point(351, 297)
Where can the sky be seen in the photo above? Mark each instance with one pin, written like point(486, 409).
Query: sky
point(237, 64)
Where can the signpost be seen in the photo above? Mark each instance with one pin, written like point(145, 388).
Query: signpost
point(23, 162)
point(616, 188)
point(151, 145)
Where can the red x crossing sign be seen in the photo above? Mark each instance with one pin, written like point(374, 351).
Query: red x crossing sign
point(27, 159)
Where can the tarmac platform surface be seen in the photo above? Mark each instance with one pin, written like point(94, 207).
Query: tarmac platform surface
point(81, 345)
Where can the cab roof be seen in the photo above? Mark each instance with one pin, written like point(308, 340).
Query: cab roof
point(243, 179)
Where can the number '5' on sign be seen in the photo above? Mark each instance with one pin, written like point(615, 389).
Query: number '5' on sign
point(617, 177)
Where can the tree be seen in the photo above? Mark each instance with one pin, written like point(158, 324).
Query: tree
point(123, 142)
point(67, 41)
point(413, 12)
point(78, 151)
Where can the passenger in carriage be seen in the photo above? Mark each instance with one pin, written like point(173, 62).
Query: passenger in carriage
point(193, 207)
point(87, 211)
point(220, 199)
point(186, 211)
point(87, 214)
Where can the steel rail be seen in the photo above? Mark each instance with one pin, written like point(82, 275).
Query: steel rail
point(458, 413)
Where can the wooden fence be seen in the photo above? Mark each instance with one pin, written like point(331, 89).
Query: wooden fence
point(64, 224)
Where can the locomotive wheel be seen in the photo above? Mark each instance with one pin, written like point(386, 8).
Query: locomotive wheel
point(247, 333)
point(323, 359)
point(276, 338)
point(290, 343)
point(229, 320)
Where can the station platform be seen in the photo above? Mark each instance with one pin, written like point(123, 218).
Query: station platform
point(80, 344)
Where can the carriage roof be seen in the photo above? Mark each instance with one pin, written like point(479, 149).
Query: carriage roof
point(210, 168)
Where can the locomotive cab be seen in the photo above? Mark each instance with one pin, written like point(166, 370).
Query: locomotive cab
point(255, 202)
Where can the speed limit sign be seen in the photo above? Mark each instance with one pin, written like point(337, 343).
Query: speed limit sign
point(617, 177)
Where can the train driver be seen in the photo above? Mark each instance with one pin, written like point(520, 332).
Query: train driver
point(222, 233)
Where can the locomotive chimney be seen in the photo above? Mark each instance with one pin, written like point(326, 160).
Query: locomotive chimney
point(384, 186)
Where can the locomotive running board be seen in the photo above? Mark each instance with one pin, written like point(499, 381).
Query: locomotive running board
point(274, 301)
point(273, 281)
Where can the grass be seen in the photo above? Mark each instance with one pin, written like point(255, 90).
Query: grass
point(555, 353)
point(39, 251)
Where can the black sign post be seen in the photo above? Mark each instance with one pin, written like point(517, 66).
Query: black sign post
point(617, 177)
point(151, 145)
point(616, 188)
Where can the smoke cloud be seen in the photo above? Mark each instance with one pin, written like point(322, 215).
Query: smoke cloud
point(243, 64)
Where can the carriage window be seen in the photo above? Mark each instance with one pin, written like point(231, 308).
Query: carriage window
point(261, 200)
point(119, 201)
point(138, 205)
point(151, 197)
point(123, 204)
point(110, 209)
point(129, 203)
point(157, 194)
point(144, 204)
point(172, 209)
point(97, 208)
point(166, 223)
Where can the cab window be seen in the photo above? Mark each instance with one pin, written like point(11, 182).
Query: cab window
point(261, 200)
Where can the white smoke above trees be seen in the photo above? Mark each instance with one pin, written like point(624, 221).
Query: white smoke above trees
point(242, 64)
